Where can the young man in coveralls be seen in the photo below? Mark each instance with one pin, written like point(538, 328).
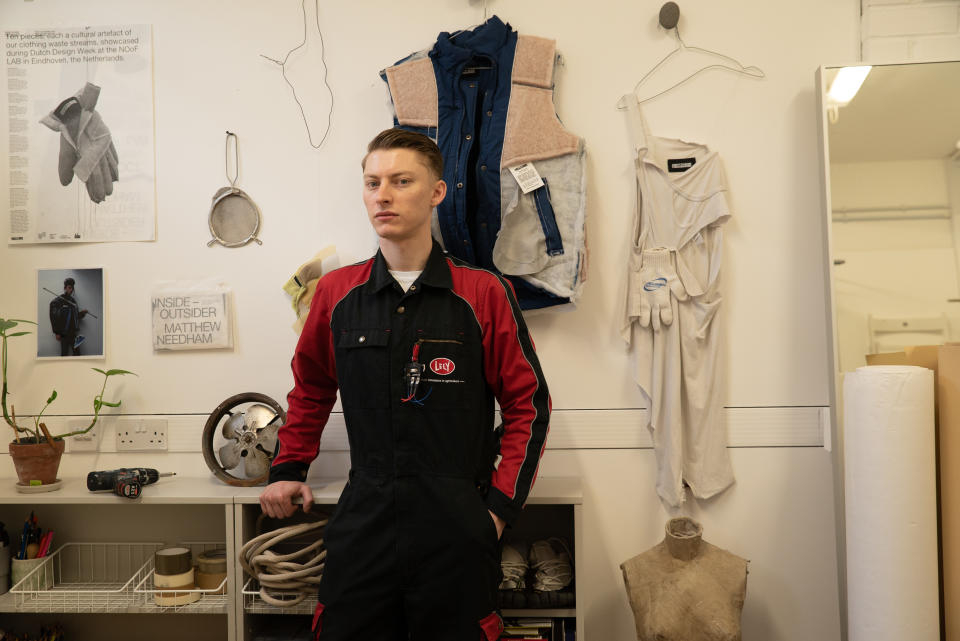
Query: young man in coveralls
point(419, 344)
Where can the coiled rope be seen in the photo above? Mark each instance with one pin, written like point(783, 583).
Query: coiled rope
point(279, 572)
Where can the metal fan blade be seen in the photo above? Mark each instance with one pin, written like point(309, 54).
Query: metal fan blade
point(230, 455)
point(255, 463)
point(267, 438)
point(258, 415)
point(233, 426)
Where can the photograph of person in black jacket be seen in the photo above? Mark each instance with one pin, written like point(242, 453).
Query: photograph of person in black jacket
point(72, 300)
point(418, 344)
point(65, 317)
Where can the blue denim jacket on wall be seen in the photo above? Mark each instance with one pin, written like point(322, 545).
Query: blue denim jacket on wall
point(485, 96)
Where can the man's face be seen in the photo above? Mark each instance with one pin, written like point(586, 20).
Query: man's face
point(68, 290)
point(400, 193)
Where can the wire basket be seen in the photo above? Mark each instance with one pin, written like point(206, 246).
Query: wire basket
point(85, 577)
point(196, 600)
point(254, 603)
point(109, 577)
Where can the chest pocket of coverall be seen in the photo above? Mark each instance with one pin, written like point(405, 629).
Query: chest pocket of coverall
point(451, 367)
point(363, 368)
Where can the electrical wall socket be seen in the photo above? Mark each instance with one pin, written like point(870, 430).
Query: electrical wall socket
point(141, 434)
point(89, 442)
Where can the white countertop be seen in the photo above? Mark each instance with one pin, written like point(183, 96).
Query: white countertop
point(207, 489)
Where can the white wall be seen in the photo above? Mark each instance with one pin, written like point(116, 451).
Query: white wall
point(209, 77)
point(893, 30)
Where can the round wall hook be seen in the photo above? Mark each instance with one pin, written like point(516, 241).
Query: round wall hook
point(669, 15)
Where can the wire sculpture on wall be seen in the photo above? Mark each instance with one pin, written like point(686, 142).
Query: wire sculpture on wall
point(283, 68)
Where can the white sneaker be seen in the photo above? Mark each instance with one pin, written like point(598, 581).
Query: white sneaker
point(513, 565)
point(551, 563)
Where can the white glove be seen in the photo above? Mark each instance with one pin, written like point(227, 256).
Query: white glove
point(651, 287)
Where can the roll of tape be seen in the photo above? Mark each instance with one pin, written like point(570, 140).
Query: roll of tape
point(171, 561)
point(184, 580)
point(212, 581)
point(212, 561)
point(175, 586)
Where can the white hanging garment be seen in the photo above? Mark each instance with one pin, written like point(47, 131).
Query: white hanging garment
point(677, 233)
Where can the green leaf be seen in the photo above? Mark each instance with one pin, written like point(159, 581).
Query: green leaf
point(7, 323)
point(53, 397)
point(112, 372)
point(109, 404)
point(17, 334)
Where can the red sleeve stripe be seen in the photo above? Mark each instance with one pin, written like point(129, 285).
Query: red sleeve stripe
point(539, 425)
point(519, 461)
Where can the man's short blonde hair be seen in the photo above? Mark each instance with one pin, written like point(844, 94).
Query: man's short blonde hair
point(397, 138)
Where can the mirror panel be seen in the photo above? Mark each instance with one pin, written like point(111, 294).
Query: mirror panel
point(893, 165)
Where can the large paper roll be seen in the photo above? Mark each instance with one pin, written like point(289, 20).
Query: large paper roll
point(891, 510)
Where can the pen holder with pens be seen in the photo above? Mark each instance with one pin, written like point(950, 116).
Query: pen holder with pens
point(20, 568)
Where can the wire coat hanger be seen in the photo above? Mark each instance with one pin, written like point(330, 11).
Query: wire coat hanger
point(669, 17)
point(462, 31)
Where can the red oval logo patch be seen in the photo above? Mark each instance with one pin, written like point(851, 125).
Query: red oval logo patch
point(442, 366)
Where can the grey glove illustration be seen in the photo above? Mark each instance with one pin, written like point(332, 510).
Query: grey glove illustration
point(86, 148)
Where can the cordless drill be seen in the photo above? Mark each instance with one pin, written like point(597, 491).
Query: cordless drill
point(125, 481)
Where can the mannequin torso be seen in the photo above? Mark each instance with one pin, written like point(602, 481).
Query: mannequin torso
point(685, 589)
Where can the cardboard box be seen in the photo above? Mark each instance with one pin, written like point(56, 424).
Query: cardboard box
point(919, 356)
point(948, 392)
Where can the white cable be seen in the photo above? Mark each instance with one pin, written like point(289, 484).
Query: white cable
point(279, 572)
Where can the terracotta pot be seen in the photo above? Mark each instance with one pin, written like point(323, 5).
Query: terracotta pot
point(37, 461)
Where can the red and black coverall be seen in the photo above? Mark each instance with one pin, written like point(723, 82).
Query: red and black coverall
point(412, 550)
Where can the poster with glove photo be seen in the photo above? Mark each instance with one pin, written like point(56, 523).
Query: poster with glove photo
point(79, 143)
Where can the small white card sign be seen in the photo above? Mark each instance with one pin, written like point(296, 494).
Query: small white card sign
point(191, 318)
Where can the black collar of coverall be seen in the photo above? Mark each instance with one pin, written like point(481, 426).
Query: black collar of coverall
point(436, 273)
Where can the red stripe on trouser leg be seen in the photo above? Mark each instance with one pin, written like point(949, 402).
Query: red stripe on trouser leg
point(317, 620)
point(492, 626)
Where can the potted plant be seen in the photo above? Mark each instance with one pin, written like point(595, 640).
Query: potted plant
point(35, 452)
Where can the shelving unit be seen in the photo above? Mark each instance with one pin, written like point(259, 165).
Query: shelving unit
point(186, 508)
point(101, 569)
point(554, 509)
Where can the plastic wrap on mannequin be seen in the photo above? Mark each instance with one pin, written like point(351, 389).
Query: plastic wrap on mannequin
point(685, 589)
